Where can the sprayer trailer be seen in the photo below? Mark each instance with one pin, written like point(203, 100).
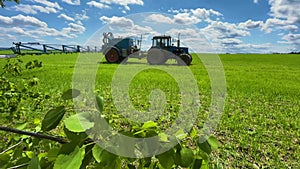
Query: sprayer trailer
point(117, 49)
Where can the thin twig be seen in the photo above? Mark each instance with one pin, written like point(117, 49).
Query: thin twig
point(11, 147)
point(19, 166)
point(38, 135)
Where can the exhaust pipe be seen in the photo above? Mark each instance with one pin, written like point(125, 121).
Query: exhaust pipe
point(178, 40)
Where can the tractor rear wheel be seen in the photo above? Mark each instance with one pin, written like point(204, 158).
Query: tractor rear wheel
point(112, 56)
point(156, 57)
point(184, 59)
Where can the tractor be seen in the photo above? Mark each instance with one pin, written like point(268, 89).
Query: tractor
point(117, 49)
point(162, 49)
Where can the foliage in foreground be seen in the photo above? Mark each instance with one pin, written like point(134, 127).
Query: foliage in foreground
point(73, 148)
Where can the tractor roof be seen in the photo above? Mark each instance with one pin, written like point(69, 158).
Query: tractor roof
point(161, 37)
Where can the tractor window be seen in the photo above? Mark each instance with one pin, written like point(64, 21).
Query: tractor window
point(156, 42)
point(165, 42)
point(161, 42)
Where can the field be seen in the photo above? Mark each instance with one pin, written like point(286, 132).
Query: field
point(260, 125)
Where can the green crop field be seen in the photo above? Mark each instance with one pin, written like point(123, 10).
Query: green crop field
point(260, 125)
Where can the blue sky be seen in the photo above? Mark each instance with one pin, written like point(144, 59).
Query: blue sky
point(234, 26)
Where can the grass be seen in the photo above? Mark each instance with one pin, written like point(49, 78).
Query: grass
point(260, 125)
point(6, 52)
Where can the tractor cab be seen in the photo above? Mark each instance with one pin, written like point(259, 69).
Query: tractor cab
point(162, 42)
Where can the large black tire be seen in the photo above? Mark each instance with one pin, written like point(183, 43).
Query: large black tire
point(184, 59)
point(112, 56)
point(156, 57)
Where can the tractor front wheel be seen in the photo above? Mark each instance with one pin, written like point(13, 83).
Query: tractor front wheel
point(184, 59)
point(112, 56)
point(156, 57)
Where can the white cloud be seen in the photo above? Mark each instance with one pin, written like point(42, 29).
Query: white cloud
point(216, 43)
point(231, 41)
point(173, 11)
point(97, 4)
point(72, 2)
point(124, 27)
point(292, 39)
point(185, 16)
point(21, 20)
point(127, 7)
point(117, 21)
point(255, 1)
point(123, 2)
point(220, 30)
point(64, 16)
point(20, 31)
point(286, 9)
point(49, 4)
point(205, 14)
point(159, 18)
point(4, 38)
point(248, 48)
point(82, 16)
point(285, 15)
point(5, 20)
point(76, 28)
point(185, 33)
point(33, 9)
point(30, 27)
point(249, 24)
point(275, 23)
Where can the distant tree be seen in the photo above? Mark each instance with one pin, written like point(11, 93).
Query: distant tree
point(3, 5)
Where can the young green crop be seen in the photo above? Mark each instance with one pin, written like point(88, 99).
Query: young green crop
point(260, 126)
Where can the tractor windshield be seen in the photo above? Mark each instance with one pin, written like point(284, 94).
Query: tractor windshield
point(161, 42)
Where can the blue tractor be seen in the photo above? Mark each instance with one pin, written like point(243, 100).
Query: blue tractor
point(162, 49)
point(117, 49)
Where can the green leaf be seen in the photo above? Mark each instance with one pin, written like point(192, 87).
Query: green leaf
point(21, 126)
point(213, 142)
point(73, 136)
point(30, 154)
point(180, 134)
point(205, 147)
point(149, 124)
point(4, 159)
point(104, 157)
point(187, 157)
point(163, 137)
point(52, 154)
point(166, 159)
point(99, 103)
point(97, 150)
point(71, 161)
point(193, 132)
point(197, 164)
point(79, 122)
point(77, 139)
point(52, 118)
point(177, 158)
point(34, 163)
point(70, 94)
point(88, 156)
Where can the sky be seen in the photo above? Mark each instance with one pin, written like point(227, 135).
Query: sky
point(223, 26)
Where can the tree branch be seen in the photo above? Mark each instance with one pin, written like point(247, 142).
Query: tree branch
point(38, 135)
